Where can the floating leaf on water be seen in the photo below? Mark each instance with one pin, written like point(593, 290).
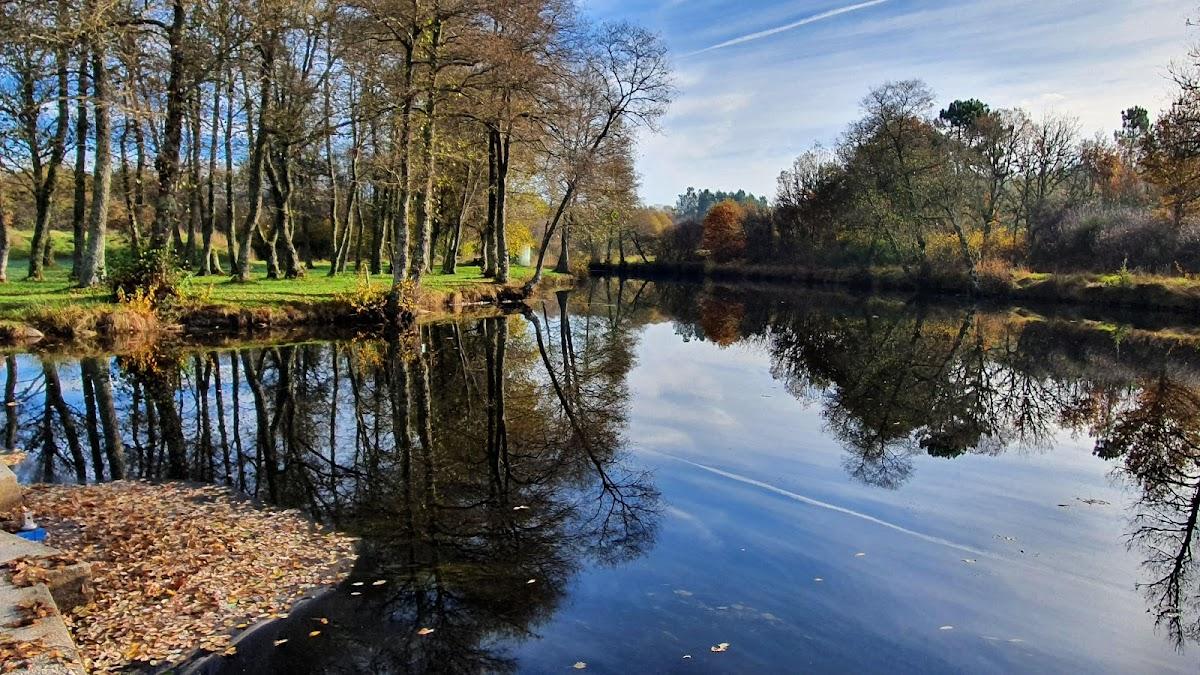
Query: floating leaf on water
point(315, 633)
point(230, 651)
point(279, 642)
point(687, 656)
point(380, 582)
point(355, 593)
point(946, 628)
point(531, 581)
point(818, 579)
point(969, 561)
point(860, 554)
point(425, 631)
point(579, 665)
point(357, 583)
point(520, 508)
point(724, 646)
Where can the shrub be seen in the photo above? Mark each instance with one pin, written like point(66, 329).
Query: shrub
point(151, 277)
point(1091, 238)
point(995, 276)
point(370, 300)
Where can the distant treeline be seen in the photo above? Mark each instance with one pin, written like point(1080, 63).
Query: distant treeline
point(696, 204)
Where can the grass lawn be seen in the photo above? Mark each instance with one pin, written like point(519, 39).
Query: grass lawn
point(19, 297)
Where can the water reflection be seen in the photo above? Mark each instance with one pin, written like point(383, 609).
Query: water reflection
point(895, 383)
point(483, 461)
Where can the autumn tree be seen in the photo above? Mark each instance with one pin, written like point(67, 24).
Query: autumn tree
point(1171, 157)
point(724, 234)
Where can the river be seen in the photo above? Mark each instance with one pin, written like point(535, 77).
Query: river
point(631, 474)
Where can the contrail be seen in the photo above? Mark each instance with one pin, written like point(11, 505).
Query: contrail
point(786, 27)
point(1039, 565)
point(832, 507)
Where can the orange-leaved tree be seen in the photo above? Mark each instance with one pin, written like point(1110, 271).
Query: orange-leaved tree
point(724, 234)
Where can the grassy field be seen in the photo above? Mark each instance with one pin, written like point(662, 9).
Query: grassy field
point(20, 298)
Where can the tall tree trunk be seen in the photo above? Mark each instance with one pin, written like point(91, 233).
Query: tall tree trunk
point(400, 242)
point(131, 209)
point(503, 144)
point(450, 264)
point(5, 224)
point(195, 221)
point(334, 195)
point(489, 229)
point(93, 258)
point(46, 175)
point(564, 248)
point(231, 237)
point(258, 158)
point(424, 261)
point(551, 225)
point(210, 260)
point(79, 205)
point(166, 212)
point(380, 199)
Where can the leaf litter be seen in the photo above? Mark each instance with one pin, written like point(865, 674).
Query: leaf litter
point(178, 567)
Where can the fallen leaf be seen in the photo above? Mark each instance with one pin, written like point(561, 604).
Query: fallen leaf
point(425, 631)
point(724, 646)
point(315, 633)
point(946, 628)
point(818, 579)
point(579, 665)
point(379, 582)
point(969, 561)
point(531, 581)
point(860, 555)
point(279, 642)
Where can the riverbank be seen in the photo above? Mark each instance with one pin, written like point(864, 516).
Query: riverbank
point(1118, 290)
point(216, 305)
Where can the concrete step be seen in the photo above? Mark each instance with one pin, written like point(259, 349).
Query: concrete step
point(50, 630)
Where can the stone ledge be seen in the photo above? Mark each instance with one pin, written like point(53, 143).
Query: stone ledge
point(10, 490)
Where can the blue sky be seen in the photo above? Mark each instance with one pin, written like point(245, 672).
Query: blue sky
point(762, 80)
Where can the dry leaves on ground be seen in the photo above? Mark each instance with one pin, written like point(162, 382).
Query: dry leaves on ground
point(19, 654)
point(179, 567)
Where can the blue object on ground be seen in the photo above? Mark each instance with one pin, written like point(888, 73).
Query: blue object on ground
point(38, 535)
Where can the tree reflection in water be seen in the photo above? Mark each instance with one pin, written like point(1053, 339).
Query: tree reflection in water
point(480, 462)
point(897, 382)
point(477, 456)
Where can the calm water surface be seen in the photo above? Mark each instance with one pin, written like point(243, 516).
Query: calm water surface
point(634, 472)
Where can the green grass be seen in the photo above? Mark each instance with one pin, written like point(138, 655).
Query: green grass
point(21, 297)
point(316, 286)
